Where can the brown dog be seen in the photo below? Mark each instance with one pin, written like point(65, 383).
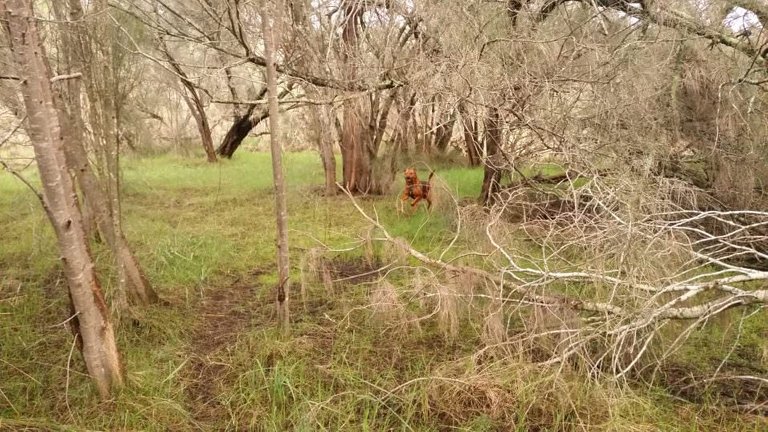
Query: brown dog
point(417, 190)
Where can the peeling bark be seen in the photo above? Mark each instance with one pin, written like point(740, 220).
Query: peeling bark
point(45, 130)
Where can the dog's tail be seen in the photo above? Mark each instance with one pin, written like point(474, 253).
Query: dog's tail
point(431, 174)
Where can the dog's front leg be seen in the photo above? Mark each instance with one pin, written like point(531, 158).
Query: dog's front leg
point(401, 205)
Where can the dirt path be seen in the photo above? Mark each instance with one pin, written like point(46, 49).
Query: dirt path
point(224, 313)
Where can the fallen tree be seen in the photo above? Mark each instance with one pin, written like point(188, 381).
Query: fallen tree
point(597, 284)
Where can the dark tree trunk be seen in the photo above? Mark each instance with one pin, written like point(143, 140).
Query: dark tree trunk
point(244, 124)
point(239, 130)
point(491, 162)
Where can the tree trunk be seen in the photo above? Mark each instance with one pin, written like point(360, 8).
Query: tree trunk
point(470, 136)
point(323, 138)
point(194, 103)
point(136, 287)
point(326, 153)
point(71, 95)
point(45, 131)
point(281, 212)
point(197, 109)
point(378, 122)
point(239, 130)
point(491, 162)
point(242, 126)
point(444, 133)
point(319, 117)
point(355, 157)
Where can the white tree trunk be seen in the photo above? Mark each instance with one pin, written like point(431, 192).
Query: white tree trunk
point(45, 130)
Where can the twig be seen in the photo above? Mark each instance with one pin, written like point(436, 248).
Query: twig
point(66, 77)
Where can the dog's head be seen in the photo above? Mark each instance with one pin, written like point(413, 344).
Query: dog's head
point(410, 176)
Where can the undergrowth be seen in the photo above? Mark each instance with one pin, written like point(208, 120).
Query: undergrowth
point(205, 233)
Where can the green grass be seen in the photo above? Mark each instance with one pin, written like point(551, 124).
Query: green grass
point(200, 228)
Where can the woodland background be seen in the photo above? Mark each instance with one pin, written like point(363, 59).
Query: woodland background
point(595, 258)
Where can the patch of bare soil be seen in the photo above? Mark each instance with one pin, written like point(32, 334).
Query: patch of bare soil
point(339, 274)
point(223, 314)
point(741, 388)
point(228, 311)
point(353, 271)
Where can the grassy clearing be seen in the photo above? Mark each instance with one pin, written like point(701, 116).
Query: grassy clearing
point(203, 231)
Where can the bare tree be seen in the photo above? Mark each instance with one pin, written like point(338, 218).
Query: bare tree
point(45, 130)
point(281, 211)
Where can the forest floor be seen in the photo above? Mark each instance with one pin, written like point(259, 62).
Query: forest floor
point(212, 359)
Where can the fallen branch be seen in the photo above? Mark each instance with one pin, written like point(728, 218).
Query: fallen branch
point(738, 297)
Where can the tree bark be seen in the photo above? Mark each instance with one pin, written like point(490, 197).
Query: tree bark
point(242, 126)
point(491, 162)
point(355, 157)
point(197, 109)
point(45, 131)
point(326, 152)
point(70, 94)
point(470, 136)
point(281, 212)
point(239, 130)
point(137, 289)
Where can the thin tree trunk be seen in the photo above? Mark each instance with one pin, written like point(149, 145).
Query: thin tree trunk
point(323, 138)
point(197, 109)
point(281, 211)
point(470, 136)
point(45, 130)
point(71, 97)
point(320, 123)
point(379, 122)
point(444, 133)
point(194, 103)
point(137, 289)
point(326, 153)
